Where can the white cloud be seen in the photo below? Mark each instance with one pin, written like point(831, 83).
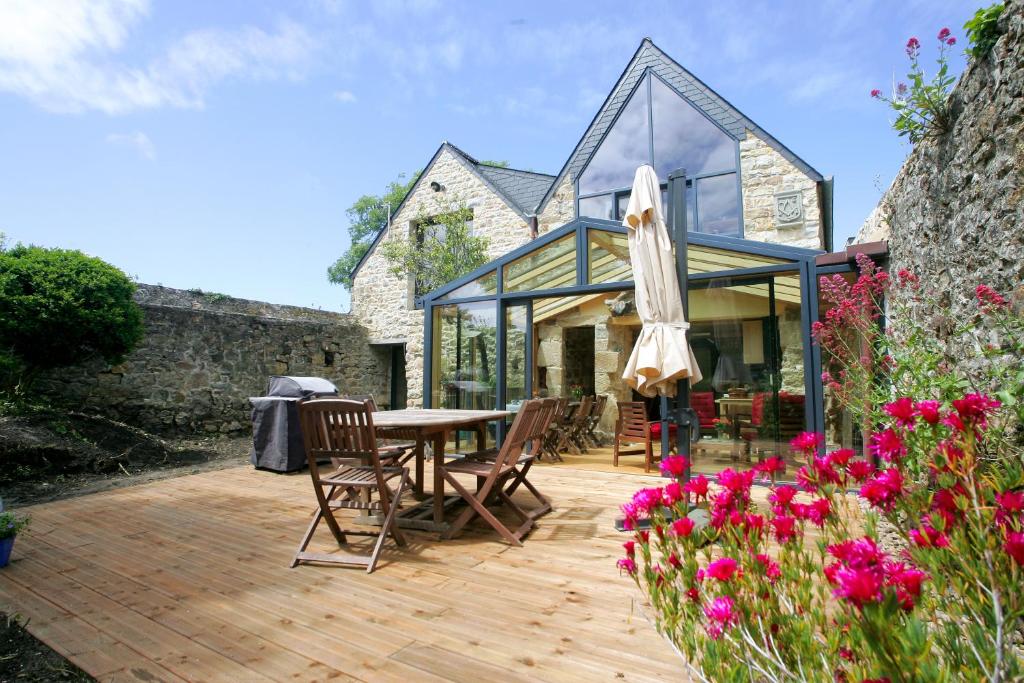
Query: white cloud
point(346, 96)
point(62, 55)
point(137, 140)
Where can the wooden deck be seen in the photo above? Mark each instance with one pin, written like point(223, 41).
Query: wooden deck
point(188, 579)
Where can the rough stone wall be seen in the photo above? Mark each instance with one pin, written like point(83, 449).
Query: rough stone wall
point(560, 209)
point(954, 212)
point(765, 174)
point(204, 355)
point(383, 303)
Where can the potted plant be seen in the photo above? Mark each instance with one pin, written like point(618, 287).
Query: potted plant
point(10, 525)
point(722, 426)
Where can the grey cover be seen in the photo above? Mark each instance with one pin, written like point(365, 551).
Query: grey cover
point(300, 387)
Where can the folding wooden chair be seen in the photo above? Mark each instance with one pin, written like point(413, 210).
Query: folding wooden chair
point(492, 477)
point(395, 448)
point(534, 449)
point(557, 438)
point(343, 431)
point(580, 421)
point(595, 419)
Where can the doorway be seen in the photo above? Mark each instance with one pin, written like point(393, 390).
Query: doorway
point(397, 383)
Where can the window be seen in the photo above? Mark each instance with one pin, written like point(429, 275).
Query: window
point(681, 137)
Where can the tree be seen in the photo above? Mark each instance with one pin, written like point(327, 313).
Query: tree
point(59, 307)
point(440, 249)
point(367, 217)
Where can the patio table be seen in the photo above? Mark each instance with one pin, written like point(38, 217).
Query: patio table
point(434, 424)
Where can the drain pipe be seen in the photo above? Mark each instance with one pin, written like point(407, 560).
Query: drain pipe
point(534, 228)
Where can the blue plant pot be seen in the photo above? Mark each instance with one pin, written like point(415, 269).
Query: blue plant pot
point(5, 550)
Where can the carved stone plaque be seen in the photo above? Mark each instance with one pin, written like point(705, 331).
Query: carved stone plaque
point(789, 208)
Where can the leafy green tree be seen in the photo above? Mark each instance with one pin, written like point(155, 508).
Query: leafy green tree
point(59, 307)
point(367, 217)
point(441, 248)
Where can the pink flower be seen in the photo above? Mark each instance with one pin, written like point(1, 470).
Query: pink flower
point(771, 466)
point(1014, 546)
point(926, 536)
point(673, 493)
point(673, 561)
point(807, 442)
point(858, 586)
point(771, 568)
point(906, 580)
point(738, 483)
point(1011, 504)
point(675, 466)
point(682, 527)
point(721, 615)
point(975, 408)
point(887, 445)
point(860, 469)
point(884, 489)
point(627, 564)
point(912, 47)
point(951, 41)
point(785, 528)
point(928, 411)
point(876, 92)
point(780, 498)
point(630, 547)
point(840, 458)
point(902, 410)
point(989, 298)
point(697, 486)
point(944, 33)
point(901, 89)
point(722, 569)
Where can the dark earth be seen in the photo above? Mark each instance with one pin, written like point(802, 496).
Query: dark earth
point(46, 455)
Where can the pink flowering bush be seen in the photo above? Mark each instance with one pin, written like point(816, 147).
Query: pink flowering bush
point(922, 107)
point(796, 582)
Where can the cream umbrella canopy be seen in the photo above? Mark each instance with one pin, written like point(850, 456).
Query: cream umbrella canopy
point(661, 355)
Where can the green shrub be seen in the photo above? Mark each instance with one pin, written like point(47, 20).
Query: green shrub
point(59, 308)
point(983, 30)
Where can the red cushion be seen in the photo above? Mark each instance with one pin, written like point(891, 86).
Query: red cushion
point(703, 403)
point(656, 429)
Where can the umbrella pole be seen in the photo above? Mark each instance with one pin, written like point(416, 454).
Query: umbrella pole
point(677, 218)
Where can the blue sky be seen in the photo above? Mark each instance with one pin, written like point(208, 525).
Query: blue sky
point(218, 144)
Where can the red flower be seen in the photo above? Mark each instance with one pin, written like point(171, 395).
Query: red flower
point(975, 408)
point(771, 466)
point(1014, 546)
point(876, 92)
point(927, 537)
point(884, 489)
point(692, 594)
point(860, 469)
point(780, 498)
point(720, 614)
point(697, 486)
point(682, 526)
point(944, 33)
point(989, 298)
point(951, 41)
point(771, 568)
point(673, 561)
point(858, 586)
point(627, 565)
point(912, 47)
point(673, 493)
point(906, 580)
point(1011, 504)
point(675, 466)
point(807, 442)
point(737, 482)
point(902, 410)
point(785, 528)
point(928, 411)
point(887, 445)
point(630, 547)
point(722, 569)
point(841, 457)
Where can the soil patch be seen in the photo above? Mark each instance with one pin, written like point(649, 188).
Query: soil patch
point(24, 659)
point(47, 455)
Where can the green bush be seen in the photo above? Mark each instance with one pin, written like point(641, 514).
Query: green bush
point(983, 30)
point(58, 308)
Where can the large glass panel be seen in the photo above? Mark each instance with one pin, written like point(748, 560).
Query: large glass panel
point(718, 205)
point(625, 147)
point(597, 207)
point(464, 360)
point(609, 257)
point(701, 259)
point(482, 286)
point(516, 341)
point(842, 430)
point(685, 138)
point(747, 337)
point(550, 266)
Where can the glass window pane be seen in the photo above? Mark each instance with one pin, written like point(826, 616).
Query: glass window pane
point(718, 205)
point(553, 265)
point(597, 207)
point(625, 147)
point(464, 360)
point(516, 336)
point(609, 257)
point(482, 286)
point(710, 260)
point(685, 138)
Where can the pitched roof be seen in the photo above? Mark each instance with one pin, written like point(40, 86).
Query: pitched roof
point(650, 57)
point(521, 190)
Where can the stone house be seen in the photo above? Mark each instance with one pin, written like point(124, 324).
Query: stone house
point(741, 182)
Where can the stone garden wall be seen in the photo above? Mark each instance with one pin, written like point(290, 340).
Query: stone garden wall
point(204, 354)
point(954, 215)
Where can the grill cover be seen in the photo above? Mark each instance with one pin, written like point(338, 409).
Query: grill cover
point(276, 435)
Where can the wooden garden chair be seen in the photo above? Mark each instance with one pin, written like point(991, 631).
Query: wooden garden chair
point(395, 449)
point(533, 451)
point(557, 438)
point(595, 419)
point(343, 431)
point(493, 474)
point(580, 422)
point(633, 427)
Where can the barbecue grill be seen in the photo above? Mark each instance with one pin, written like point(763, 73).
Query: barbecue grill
point(276, 437)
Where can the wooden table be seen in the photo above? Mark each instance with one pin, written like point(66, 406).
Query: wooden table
point(434, 424)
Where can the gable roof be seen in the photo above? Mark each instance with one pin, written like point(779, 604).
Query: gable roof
point(650, 57)
point(521, 190)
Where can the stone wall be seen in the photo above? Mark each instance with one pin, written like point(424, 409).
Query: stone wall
point(203, 355)
point(953, 214)
point(383, 302)
point(560, 209)
point(768, 177)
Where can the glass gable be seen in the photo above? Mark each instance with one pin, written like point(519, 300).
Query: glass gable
point(685, 138)
point(623, 149)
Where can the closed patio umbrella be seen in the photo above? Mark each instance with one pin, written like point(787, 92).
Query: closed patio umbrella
point(661, 355)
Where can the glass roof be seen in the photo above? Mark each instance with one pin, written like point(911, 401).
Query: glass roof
point(482, 286)
point(552, 265)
